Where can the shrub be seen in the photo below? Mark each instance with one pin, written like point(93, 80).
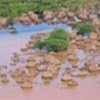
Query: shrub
point(83, 27)
point(59, 33)
point(56, 45)
point(57, 41)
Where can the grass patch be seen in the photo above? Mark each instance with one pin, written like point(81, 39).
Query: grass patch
point(14, 8)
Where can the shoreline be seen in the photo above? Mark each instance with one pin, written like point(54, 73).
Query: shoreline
point(63, 16)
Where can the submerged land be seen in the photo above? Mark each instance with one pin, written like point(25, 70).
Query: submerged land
point(50, 45)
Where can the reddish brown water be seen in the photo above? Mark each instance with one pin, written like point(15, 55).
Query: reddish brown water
point(88, 89)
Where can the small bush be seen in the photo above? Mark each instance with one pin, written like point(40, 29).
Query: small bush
point(57, 41)
point(83, 27)
point(59, 34)
point(56, 45)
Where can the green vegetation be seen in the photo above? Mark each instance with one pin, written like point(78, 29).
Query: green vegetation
point(40, 44)
point(75, 25)
point(83, 27)
point(57, 41)
point(12, 8)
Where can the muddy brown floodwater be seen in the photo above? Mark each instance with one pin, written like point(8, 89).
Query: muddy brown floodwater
point(88, 88)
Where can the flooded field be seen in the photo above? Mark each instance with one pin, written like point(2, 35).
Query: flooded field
point(88, 88)
point(12, 42)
